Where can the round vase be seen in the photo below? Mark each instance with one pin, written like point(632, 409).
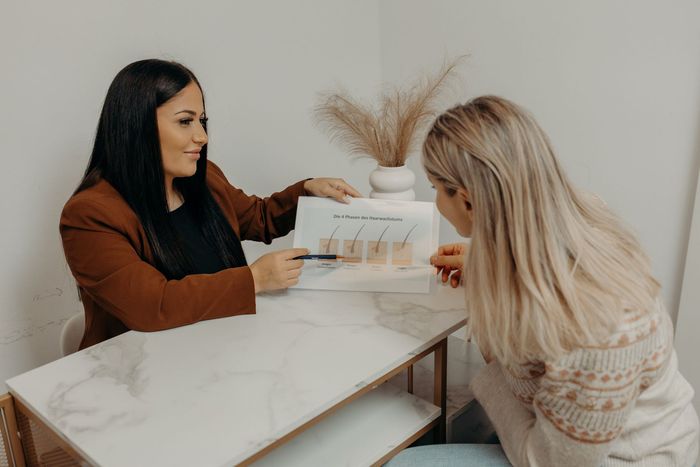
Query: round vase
point(392, 183)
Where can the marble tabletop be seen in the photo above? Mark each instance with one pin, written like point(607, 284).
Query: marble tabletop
point(217, 392)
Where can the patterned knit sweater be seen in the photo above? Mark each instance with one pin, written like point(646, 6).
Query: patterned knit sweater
point(622, 403)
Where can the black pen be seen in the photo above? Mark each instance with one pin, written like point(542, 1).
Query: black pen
point(334, 257)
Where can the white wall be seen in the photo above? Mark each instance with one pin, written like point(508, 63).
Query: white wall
point(616, 84)
point(689, 311)
point(261, 65)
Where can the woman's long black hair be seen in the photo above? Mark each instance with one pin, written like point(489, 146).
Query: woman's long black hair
point(127, 154)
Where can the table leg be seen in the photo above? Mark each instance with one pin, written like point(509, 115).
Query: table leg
point(409, 383)
point(14, 456)
point(440, 390)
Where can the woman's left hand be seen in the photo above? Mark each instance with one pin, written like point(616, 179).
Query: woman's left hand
point(335, 188)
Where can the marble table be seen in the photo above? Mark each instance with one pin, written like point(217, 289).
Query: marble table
point(227, 391)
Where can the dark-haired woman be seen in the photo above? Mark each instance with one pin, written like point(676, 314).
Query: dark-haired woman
point(153, 232)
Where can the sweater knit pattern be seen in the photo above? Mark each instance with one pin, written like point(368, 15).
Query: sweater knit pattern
point(620, 402)
point(588, 394)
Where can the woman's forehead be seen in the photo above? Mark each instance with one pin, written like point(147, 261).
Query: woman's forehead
point(189, 98)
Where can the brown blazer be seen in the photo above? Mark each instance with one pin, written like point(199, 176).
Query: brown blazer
point(108, 252)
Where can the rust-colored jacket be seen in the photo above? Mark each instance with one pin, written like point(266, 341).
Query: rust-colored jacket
point(108, 252)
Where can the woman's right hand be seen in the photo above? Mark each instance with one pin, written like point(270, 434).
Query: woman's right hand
point(277, 270)
point(450, 258)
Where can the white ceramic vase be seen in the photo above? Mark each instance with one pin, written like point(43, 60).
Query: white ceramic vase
point(392, 183)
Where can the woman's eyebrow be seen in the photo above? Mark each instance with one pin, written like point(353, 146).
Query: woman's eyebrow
point(191, 112)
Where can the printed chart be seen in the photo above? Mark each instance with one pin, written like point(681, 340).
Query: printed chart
point(385, 244)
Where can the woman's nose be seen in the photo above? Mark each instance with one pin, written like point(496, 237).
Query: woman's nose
point(200, 137)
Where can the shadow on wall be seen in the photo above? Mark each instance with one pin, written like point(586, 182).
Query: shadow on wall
point(694, 176)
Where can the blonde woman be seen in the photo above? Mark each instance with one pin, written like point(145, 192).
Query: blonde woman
point(561, 301)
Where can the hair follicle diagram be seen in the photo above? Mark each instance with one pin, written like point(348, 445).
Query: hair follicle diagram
point(402, 252)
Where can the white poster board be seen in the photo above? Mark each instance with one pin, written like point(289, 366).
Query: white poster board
point(386, 244)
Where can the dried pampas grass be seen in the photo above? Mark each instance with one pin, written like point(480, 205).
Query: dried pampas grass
point(389, 133)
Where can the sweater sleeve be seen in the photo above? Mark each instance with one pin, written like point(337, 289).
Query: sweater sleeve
point(260, 219)
point(573, 410)
point(108, 268)
point(565, 427)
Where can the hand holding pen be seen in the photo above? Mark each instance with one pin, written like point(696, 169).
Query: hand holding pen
point(278, 270)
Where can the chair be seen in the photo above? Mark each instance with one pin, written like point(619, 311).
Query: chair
point(72, 333)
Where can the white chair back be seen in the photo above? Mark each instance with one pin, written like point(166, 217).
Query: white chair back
point(72, 334)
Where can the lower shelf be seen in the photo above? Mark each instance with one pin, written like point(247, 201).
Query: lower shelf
point(464, 361)
point(361, 433)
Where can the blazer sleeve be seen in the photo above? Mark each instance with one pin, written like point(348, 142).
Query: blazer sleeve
point(259, 219)
point(108, 268)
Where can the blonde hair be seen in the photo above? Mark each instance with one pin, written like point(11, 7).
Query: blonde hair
point(549, 269)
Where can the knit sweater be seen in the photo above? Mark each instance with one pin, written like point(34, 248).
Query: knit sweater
point(619, 403)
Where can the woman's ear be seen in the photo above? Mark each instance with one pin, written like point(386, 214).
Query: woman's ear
point(465, 198)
